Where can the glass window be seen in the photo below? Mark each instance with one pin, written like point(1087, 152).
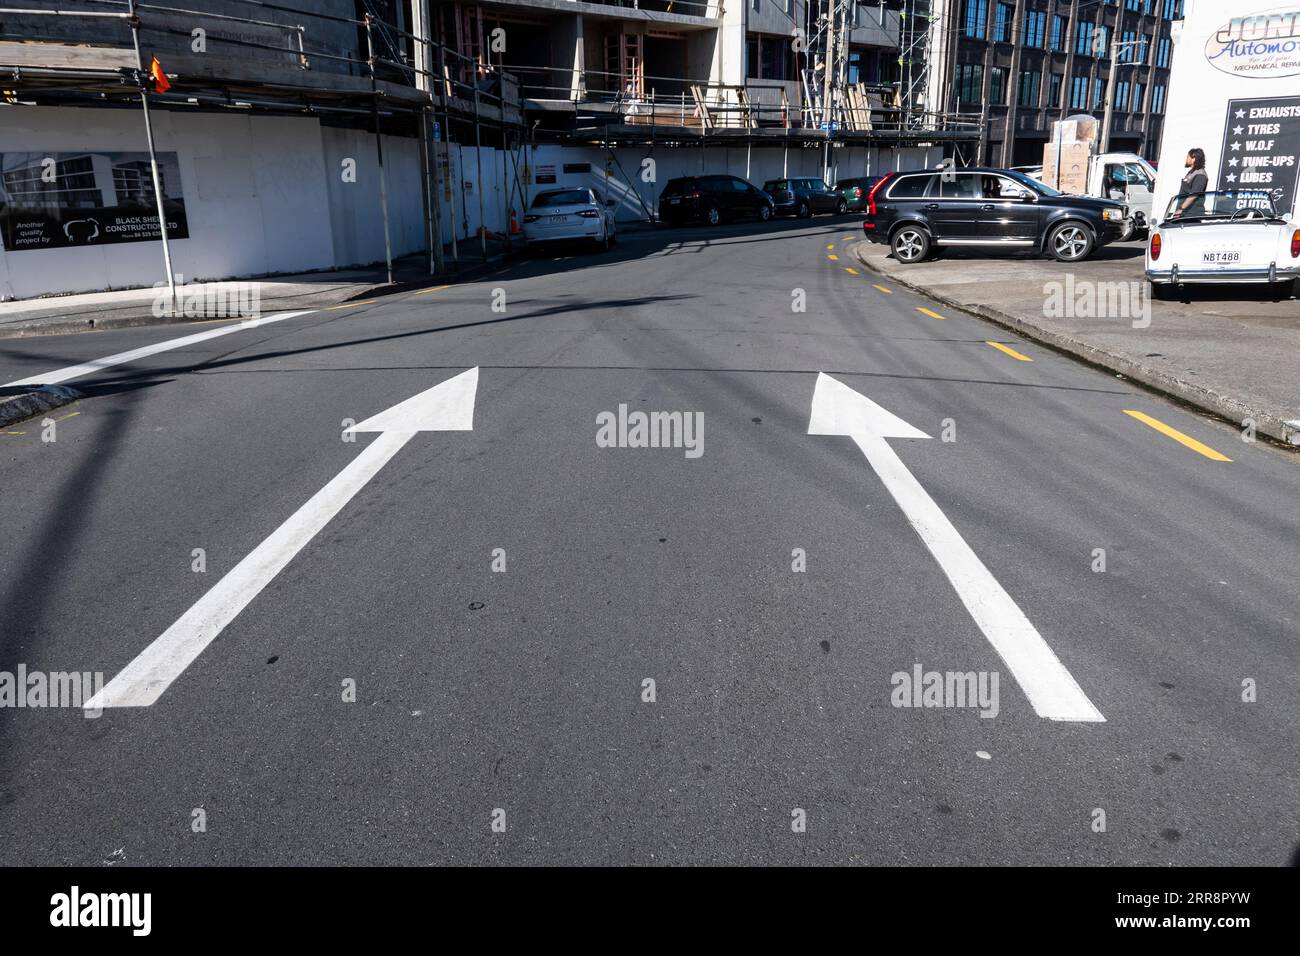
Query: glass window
point(910, 187)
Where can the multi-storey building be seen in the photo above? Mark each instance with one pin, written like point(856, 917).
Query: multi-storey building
point(1024, 64)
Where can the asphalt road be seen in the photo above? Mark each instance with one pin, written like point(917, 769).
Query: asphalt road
point(522, 690)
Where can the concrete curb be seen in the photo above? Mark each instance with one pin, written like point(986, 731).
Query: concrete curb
point(142, 315)
point(24, 405)
point(1207, 400)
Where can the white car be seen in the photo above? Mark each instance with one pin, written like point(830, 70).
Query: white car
point(1228, 237)
point(565, 215)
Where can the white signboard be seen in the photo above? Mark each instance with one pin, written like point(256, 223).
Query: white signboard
point(1234, 91)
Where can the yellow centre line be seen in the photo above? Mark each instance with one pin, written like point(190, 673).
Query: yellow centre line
point(850, 270)
point(831, 246)
point(848, 238)
point(1178, 436)
point(437, 288)
point(13, 433)
point(69, 415)
point(933, 315)
point(352, 305)
point(882, 289)
point(1009, 351)
point(834, 258)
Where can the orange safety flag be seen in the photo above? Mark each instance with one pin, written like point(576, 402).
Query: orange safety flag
point(160, 83)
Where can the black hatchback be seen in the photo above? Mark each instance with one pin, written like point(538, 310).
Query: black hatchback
point(712, 199)
point(982, 209)
point(802, 196)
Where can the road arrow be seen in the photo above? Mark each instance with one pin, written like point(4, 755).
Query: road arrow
point(445, 407)
point(1052, 691)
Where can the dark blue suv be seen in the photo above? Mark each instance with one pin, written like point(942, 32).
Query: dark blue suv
point(982, 209)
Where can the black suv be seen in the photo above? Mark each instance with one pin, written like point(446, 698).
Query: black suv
point(984, 209)
point(712, 199)
point(802, 197)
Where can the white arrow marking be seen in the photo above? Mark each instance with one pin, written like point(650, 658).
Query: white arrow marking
point(445, 407)
point(1052, 691)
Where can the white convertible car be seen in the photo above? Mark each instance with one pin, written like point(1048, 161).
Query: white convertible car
point(1224, 237)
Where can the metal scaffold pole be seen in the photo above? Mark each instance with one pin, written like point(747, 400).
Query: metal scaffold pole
point(379, 147)
point(153, 157)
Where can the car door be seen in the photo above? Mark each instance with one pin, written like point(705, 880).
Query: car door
point(746, 203)
point(1008, 213)
point(954, 212)
point(821, 197)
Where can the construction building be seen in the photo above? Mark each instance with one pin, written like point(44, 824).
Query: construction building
point(295, 135)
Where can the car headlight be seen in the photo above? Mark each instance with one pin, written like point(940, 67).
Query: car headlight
point(1113, 215)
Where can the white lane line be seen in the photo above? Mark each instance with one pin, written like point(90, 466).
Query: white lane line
point(448, 406)
point(122, 358)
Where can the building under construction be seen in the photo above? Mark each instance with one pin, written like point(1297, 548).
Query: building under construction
point(315, 134)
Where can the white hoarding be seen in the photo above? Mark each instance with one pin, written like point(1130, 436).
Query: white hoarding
point(1234, 91)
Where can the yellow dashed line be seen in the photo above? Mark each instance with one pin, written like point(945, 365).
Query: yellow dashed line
point(831, 246)
point(933, 315)
point(834, 258)
point(437, 288)
point(352, 305)
point(883, 289)
point(848, 238)
point(13, 433)
point(850, 270)
point(69, 415)
point(1178, 436)
point(1009, 351)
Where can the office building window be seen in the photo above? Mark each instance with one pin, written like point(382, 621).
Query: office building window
point(1083, 34)
point(1054, 84)
point(1079, 93)
point(1121, 95)
point(975, 18)
point(970, 83)
point(1035, 28)
point(1162, 52)
point(997, 86)
point(1030, 85)
point(1060, 32)
point(1158, 98)
point(1002, 21)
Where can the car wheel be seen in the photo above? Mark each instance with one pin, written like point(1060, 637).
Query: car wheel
point(841, 208)
point(713, 215)
point(1070, 242)
point(764, 212)
point(804, 211)
point(911, 244)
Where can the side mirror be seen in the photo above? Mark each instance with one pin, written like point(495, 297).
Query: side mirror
point(1028, 197)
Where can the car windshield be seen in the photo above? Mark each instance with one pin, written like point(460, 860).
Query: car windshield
point(1230, 204)
point(562, 197)
point(1028, 181)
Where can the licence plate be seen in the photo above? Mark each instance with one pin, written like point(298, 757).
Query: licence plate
point(557, 219)
point(673, 202)
point(1220, 258)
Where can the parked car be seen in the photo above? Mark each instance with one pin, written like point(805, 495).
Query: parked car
point(985, 209)
point(559, 215)
point(856, 190)
point(1229, 237)
point(712, 199)
point(801, 196)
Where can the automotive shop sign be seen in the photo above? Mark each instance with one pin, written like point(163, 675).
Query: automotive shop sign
point(1261, 143)
point(1234, 91)
point(1261, 44)
point(57, 200)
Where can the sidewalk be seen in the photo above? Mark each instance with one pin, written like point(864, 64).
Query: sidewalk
point(1232, 351)
point(58, 315)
